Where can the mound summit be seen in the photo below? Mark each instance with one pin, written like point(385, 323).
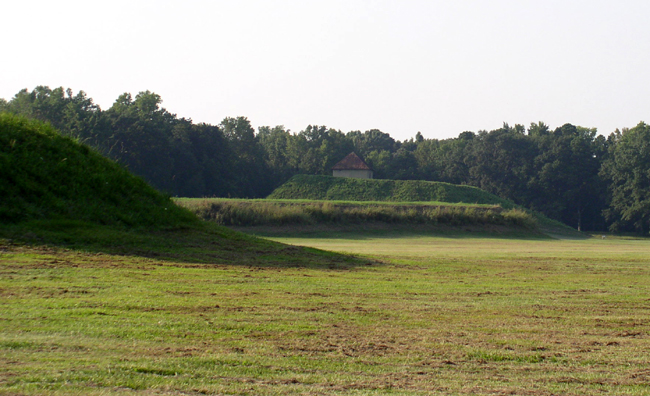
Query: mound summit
point(350, 189)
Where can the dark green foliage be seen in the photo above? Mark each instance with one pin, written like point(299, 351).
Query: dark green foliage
point(370, 141)
point(349, 189)
point(246, 163)
point(566, 168)
point(628, 171)
point(77, 115)
point(141, 134)
point(555, 173)
point(500, 162)
point(46, 176)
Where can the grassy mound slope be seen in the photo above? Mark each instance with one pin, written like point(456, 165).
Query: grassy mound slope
point(46, 176)
point(347, 189)
point(56, 191)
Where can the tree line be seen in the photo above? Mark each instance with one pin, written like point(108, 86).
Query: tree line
point(569, 173)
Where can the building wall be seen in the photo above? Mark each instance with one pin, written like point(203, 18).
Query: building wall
point(357, 174)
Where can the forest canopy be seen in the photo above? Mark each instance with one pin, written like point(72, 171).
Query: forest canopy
point(570, 173)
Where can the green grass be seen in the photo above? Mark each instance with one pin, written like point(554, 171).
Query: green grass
point(349, 189)
point(46, 176)
point(421, 315)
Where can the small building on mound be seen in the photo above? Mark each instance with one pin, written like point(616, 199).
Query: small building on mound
point(352, 166)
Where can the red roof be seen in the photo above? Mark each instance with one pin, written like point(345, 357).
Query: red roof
point(351, 162)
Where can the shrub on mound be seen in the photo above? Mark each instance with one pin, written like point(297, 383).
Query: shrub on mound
point(46, 176)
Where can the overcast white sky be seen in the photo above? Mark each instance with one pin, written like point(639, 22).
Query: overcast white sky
point(438, 67)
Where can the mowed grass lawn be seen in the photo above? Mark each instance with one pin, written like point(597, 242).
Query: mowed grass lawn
point(421, 315)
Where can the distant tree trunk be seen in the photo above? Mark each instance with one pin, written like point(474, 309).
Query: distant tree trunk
point(579, 220)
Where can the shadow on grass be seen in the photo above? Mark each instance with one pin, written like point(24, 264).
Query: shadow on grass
point(396, 231)
point(201, 243)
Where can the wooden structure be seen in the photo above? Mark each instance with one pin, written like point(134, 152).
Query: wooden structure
point(352, 166)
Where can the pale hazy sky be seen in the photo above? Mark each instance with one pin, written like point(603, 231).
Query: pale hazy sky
point(439, 67)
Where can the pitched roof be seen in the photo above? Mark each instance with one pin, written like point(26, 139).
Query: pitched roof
point(351, 162)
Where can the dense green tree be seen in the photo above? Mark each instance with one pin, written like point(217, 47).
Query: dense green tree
point(500, 162)
point(241, 136)
point(371, 140)
point(333, 149)
point(403, 166)
point(538, 129)
point(248, 159)
point(140, 134)
point(42, 103)
point(316, 149)
point(188, 178)
point(214, 157)
point(445, 160)
point(82, 118)
point(628, 172)
point(74, 115)
point(380, 162)
point(565, 182)
point(275, 146)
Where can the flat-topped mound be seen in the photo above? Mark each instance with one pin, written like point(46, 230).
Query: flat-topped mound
point(310, 187)
point(46, 176)
point(349, 189)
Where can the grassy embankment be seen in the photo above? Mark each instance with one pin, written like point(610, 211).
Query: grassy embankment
point(348, 189)
point(329, 201)
point(334, 188)
point(56, 191)
point(431, 316)
point(271, 212)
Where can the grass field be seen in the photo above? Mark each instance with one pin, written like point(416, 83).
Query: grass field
point(416, 315)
